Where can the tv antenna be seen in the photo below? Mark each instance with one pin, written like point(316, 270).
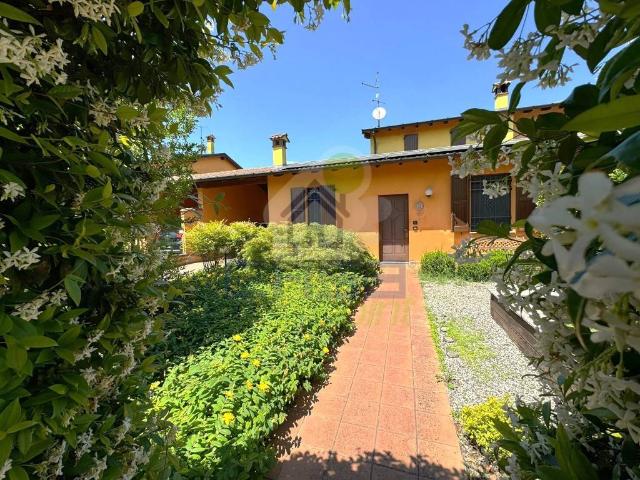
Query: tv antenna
point(378, 112)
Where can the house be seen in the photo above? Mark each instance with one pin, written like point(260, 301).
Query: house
point(400, 199)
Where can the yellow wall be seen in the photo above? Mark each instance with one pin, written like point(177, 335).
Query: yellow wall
point(428, 137)
point(212, 163)
point(357, 191)
point(239, 203)
point(438, 134)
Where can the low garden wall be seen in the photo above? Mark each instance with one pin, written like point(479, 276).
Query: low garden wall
point(519, 330)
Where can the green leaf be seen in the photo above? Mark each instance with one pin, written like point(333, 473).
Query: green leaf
point(162, 18)
point(482, 116)
point(507, 23)
point(571, 459)
point(135, 8)
point(16, 427)
point(9, 135)
point(99, 39)
point(493, 141)
point(126, 112)
point(65, 92)
point(13, 13)
point(16, 357)
point(72, 288)
point(515, 96)
point(582, 98)
point(92, 171)
point(626, 60)
point(18, 473)
point(621, 113)
point(493, 229)
point(546, 15)
point(10, 415)
point(42, 221)
point(38, 341)
point(600, 45)
point(627, 153)
point(575, 306)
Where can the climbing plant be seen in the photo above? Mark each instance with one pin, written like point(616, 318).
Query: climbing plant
point(92, 156)
point(577, 274)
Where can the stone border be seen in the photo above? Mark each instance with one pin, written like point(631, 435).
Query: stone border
point(521, 332)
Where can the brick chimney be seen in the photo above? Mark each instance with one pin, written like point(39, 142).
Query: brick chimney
point(279, 144)
point(211, 142)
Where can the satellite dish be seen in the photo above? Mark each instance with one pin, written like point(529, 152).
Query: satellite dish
point(379, 113)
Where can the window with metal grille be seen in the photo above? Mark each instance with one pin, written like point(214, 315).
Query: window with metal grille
point(314, 205)
point(411, 141)
point(485, 208)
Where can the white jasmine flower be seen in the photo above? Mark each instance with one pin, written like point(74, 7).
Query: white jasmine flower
point(58, 297)
point(96, 10)
point(11, 191)
point(495, 189)
point(6, 466)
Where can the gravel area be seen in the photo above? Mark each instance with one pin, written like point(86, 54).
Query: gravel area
point(501, 374)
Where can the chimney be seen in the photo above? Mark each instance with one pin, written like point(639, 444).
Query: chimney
point(211, 141)
point(280, 141)
point(501, 95)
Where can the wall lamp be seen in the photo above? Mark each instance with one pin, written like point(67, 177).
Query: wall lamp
point(428, 192)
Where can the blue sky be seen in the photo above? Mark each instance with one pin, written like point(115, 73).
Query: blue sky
point(312, 89)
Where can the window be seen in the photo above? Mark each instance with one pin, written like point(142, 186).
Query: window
point(485, 208)
point(314, 205)
point(411, 141)
point(459, 141)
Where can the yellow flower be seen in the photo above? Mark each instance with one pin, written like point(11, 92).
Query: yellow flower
point(237, 338)
point(263, 386)
point(321, 322)
point(244, 355)
point(307, 336)
point(325, 350)
point(228, 394)
point(228, 418)
point(256, 363)
point(249, 385)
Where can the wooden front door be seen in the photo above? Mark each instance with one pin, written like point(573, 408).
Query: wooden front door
point(393, 218)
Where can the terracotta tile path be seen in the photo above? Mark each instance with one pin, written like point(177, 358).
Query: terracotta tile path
point(382, 414)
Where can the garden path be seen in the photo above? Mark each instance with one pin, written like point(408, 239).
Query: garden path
point(382, 414)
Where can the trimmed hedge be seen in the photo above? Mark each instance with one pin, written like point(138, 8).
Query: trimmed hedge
point(481, 269)
point(226, 401)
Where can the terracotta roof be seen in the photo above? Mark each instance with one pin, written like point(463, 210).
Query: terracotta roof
point(367, 132)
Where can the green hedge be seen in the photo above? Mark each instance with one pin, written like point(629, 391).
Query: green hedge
point(442, 265)
point(226, 401)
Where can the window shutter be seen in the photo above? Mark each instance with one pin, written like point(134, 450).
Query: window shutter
point(411, 141)
point(459, 201)
point(524, 205)
point(297, 205)
point(328, 202)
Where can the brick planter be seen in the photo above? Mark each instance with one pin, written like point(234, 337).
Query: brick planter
point(521, 332)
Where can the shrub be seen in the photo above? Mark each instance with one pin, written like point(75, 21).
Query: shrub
point(478, 421)
point(437, 264)
point(210, 240)
point(239, 234)
point(225, 401)
point(475, 269)
point(216, 304)
point(320, 247)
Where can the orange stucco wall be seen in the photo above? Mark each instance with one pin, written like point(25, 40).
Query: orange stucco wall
point(357, 191)
point(212, 163)
point(237, 203)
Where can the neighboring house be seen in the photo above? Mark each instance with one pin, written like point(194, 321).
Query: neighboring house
point(401, 198)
